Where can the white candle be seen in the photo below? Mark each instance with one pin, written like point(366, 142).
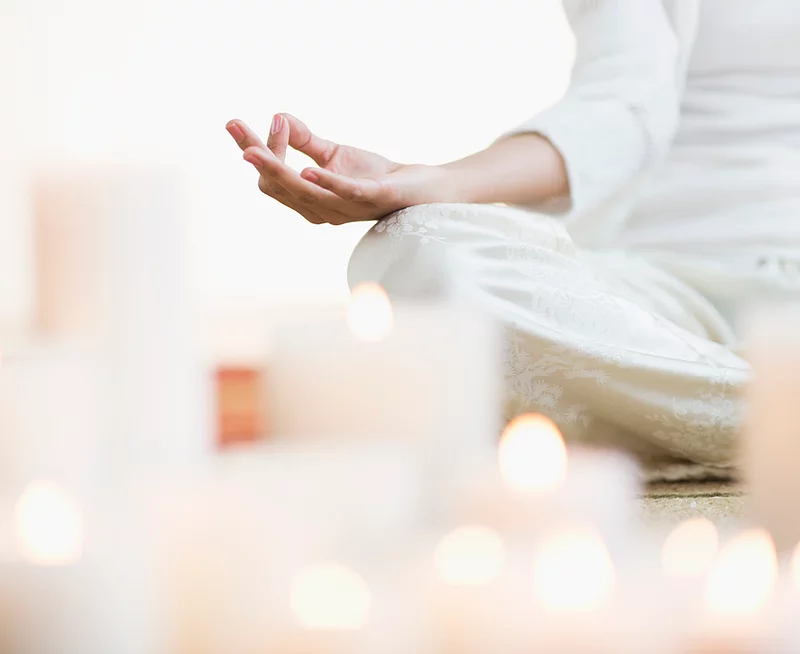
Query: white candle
point(112, 273)
point(537, 482)
point(428, 375)
point(419, 373)
point(232, 542)
point(738, 592)
point(72, 584)
point(465, 589)
point(772, 434)
point(50, 419)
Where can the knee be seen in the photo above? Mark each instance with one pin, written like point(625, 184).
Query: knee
point(404, 250)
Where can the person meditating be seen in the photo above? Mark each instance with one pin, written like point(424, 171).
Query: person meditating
point(614, 234)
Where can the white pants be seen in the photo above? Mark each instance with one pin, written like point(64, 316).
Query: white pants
point(613, 348)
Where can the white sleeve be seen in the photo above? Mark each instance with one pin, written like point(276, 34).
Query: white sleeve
point(621, 110)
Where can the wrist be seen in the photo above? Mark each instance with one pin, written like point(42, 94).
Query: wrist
point(450, 184)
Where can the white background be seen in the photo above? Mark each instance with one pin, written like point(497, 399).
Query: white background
point(418, 81)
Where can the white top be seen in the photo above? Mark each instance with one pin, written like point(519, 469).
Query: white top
point(681, 127)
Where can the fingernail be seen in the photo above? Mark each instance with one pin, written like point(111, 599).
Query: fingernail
point(251, 158)
point(277, 123)
point(311, 176)
point(236, 132)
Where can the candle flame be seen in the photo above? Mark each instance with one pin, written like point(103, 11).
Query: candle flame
point(369, 314)
point(532, 454)
point(573, 571)
point(743, 578)
point(48, 525)
point(472, 555)
point(330, 596)
point(690, 549)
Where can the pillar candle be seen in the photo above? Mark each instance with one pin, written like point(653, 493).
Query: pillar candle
point(50, 417)
point(111, 273)
point(772, 434)
point(432, 379)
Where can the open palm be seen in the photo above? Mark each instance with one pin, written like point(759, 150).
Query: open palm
point(350, 184)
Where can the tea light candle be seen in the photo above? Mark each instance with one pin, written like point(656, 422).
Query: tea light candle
point(112, 276)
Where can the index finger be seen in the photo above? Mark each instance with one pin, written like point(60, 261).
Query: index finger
point(243, 135)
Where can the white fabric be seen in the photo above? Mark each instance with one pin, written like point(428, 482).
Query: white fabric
point(616, 351)
point(681, 136)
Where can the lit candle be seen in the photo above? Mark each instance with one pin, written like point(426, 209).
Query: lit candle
point(427, 375)
point(690, 549)
point(68, 587)
point(468, 590)
point(772, 434)
point(227, 542)
point(537, 482)
point(112, 276)
point(739, 589)
point(574, 584)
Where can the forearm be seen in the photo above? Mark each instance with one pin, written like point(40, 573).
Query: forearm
point(524, 169)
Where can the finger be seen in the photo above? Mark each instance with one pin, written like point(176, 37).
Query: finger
point(278, 140)
point(243, 135)
point(284, 180)
point(347, 188)
point(303, 139)
point(287, 200)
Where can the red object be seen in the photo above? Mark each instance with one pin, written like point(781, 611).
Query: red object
point(240, 405)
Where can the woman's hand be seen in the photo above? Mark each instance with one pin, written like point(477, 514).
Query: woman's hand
point(349, 185)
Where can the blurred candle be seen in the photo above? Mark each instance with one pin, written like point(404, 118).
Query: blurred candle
point(575, 590)
point(330, 596)
point(690, 549)
point(71, 587)
point(369, 314)
point(538, 482)
point(739, 589)
point(532, 455)
point(465, 592)
point(50, 419)
point(772, 432)
point(48, 525)
point(427, 375)
point(112, 275)
point(232, 544)
point(572, 571)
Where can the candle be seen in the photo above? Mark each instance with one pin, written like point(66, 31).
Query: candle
point(537, 483)
point(230, 543)
point(738, 591)
point(50, 419)
point(772, 434)
point(572, 571)
point(71, 586)
point(111, 275)
point(466, 590)
point(690, 549)
point(427, 374)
